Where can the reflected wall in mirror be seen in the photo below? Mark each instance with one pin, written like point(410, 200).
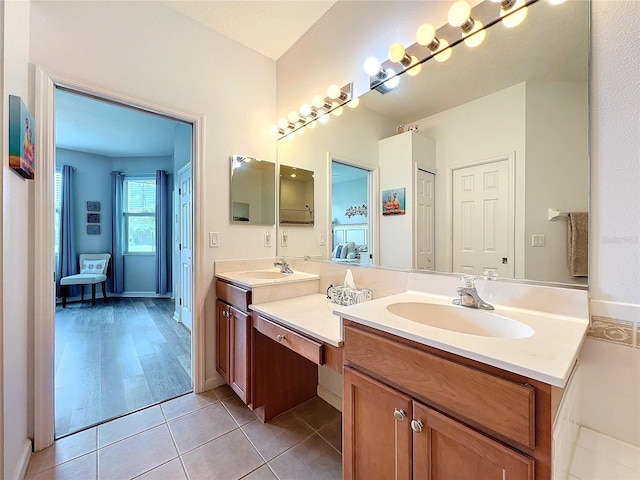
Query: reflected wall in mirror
point(253, 191)
point(296, 200)
point(510, 115)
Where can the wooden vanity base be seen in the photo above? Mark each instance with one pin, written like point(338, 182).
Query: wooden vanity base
point(282, 379)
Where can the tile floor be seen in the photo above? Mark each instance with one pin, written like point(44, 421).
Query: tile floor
point(207, 436)
point(599, 457)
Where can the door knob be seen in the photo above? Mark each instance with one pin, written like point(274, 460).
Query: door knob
point(416, 425)
point(399, 414)
point(281, 337)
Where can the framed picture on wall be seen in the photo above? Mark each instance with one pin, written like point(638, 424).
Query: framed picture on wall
point(93, 229)
point(393, 202)
point(93, 206)
point(22, 139)
point(93, 218)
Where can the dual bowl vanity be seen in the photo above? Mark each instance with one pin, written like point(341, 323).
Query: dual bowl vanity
point(430, 389)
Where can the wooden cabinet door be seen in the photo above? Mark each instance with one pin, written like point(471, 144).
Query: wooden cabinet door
point(377, 438)
point(444, 449)
point(240, 338)
point(222, 339)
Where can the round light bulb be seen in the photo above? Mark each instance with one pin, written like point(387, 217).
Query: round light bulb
point(274, 129)
point(311, 124)
point(282, 123)
point(305, 109)
point(333, 91)
point(290, 137)
point(300, 131)
point(338, 111)
point(426, 33)
point(514, 19)
point(459, 13)
point(324, 119)
point(293, 116)
point(372, 66)
point(396, 52)
point(476, 36)
point(415, 68)
point(317, 101)
point(353, 103)
point(393, 79)
point(556, 2)
point(444, 52)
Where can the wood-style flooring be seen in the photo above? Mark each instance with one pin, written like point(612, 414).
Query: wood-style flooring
point(116, 358)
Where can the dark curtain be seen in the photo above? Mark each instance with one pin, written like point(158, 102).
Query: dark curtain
point(67, 259)
point(116, 265)
point(163, 232)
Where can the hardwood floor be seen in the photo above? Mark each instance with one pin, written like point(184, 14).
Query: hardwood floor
point(116, 358)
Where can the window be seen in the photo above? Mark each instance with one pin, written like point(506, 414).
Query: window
point(139, 207)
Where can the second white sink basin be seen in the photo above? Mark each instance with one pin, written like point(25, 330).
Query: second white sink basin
point(461, 319)
point(262, 275)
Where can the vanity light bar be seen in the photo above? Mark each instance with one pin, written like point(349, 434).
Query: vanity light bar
point(318, 109)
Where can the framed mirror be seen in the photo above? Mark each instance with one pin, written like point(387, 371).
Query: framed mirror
point(253, 191)
point(518, 102)
point(296, 199)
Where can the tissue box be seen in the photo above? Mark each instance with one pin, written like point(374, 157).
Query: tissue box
point(348, 296)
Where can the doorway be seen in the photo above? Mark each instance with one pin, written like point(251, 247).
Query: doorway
point(350, 214)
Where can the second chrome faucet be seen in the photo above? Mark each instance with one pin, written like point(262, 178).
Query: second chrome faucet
point(468, 295)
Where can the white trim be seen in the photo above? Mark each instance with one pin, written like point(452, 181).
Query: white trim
point(628, 312)
point(330, 397)
point(214, 383)
point(46, 82)
point(23, 464)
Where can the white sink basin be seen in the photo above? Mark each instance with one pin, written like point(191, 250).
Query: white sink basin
point(461, 319)
point(262, 275)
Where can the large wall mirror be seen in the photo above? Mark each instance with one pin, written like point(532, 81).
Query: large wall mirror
point(253, 191)
point(511, 114)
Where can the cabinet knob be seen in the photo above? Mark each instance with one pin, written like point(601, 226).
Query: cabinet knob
point(281, 337)
point(416, 425)
point(399, 414)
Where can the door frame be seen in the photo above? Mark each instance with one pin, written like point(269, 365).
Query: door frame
point(46, 82)
point(511, 225)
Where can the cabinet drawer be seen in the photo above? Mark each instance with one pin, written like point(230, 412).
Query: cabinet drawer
point(236, 296)
point(304, 346)
point(495, 404)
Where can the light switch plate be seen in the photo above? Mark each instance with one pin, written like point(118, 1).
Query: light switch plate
point(214, 239)
point(267, 238)
point(283, 238)
point(322, 240)
point(537, 240)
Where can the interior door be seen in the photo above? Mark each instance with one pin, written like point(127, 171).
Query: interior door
point(186, 246)
point(425, 227)
point(482, 232)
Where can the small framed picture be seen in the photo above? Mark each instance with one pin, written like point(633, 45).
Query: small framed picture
point(93, 206)
point(93, 229)
point(93, 218)
point(393, 202)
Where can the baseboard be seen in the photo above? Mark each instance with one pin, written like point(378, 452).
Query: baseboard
point(176, 316)
point(21, 468)
point(330, 397)
point(211, 383)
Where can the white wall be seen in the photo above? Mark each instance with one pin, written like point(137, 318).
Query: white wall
point(148, 51)
point(17, 216)
point(349, 194)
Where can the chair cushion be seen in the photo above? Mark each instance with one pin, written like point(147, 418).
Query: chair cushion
point(82, 279)
point(95, 267)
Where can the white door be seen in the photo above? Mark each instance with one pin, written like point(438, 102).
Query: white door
point(425, 227)
point(482, 231)
point(186, 246)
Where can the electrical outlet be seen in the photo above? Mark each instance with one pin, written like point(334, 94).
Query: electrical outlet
point(267, 238)
point(537, 240)
point(214, 239)
point(283, 238)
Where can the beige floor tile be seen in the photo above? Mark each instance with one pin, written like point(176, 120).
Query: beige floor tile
point(228, 457)
point(332, 433)
point(263, 473)
point(169, 471)
point(312, 459)
point(63, 450)
point(128, 425)
point(197, 428)
point(187, 403)
point(317, 413)
point(79, 468)
point(276, 436)
point(238, 410)
point(224, 391)
point(136, 455)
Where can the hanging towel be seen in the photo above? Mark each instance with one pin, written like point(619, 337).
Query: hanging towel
point(578, 244)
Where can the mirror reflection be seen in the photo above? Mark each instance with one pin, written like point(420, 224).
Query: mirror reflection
point(501, 131)
point(296, 198)
point(253, 191)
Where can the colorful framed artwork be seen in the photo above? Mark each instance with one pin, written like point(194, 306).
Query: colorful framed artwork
point(22, 139)
point(93, 229)
point(393, 202)
point(93, 206)
point(93, 218)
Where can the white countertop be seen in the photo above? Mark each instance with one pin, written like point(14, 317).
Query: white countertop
point(309, 314)
point(245, 277)
point(548, 355)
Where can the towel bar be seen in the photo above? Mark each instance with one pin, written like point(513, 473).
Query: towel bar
point(555, 214)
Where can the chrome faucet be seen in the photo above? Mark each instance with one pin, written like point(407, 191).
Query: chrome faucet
point(469, 295)
point(284, 266)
